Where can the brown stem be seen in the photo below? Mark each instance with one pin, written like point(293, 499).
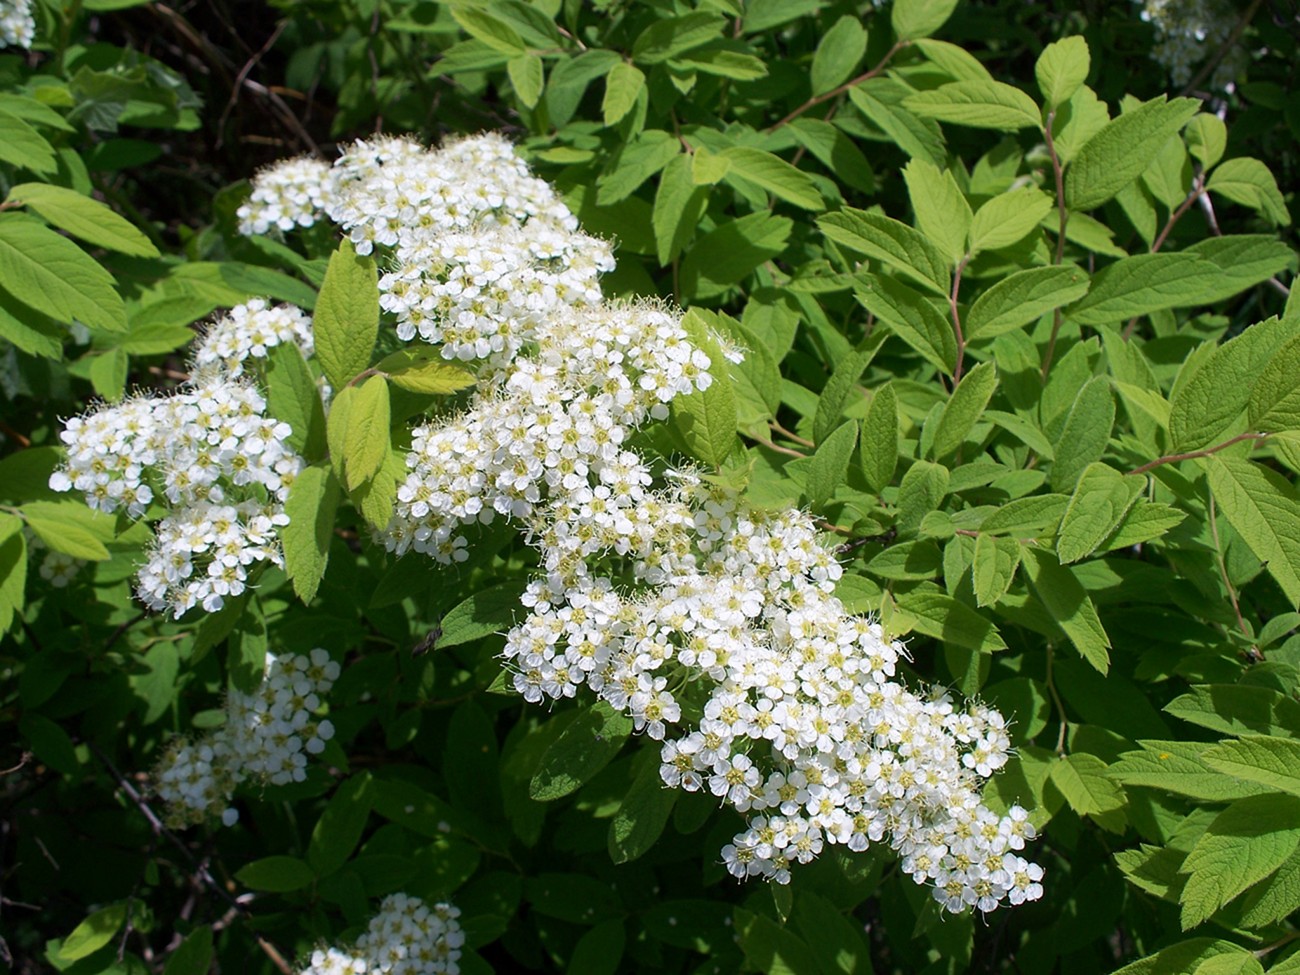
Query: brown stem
point(1233, 36)
point(1223, 571)
point(777, 447)
point(200, 869)
point(1193, 454)
point(790, 434)
point(835, 92)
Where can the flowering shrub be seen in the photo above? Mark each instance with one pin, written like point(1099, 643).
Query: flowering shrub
point(776, 485)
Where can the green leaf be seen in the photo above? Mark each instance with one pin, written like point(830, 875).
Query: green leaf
point(1203, 407)
point(13, 568)
point(584, 747)
point(980, 104)
point(1242, 260)
point(839, 389)
point(1275, 399)
point(23, 146)
point(838, 54)
point(1248, 181)
point(994, 567)
point(1061, 69)
point(365, 438)
point(1122, 149)
point(879, 451)
point(276, 874)
point(1008, 218)
point(569, 80)
point(1265, 759)
point(912, 19)
point(956, 62)
point(1207, 137)
point(492, 31)
point(1246, 842)
point(527, 76)
point(679, 204)
point(346, 320)
point(1273, 899)
point(922, 488)
point(193, 956)
point(894, 243)
point(422, 369)
point(1082, 780)
point(1264, 508)
point(1022, 297)
point(836, 151)
point(600, 950)
point(294, 397)
point(622, 86)
point(1176, 766)
point(107, 374)
point(912, 318)
point(486, 612)
point(830, 464)
point(313, 499)
point(1238, 710)
point(69, 527)
point(1067, 602)
point(936, 614)
point(94, 932)
point(634, 163)
point(339, 829)
point(881, 101)
point(51, 274)
point(942, 213)
point(1026, 517)
point(707, 167)
point(773, 174)
point(1086, 433)
point(706, 419)
point(732, 250)
point(1101, 499)
point(963, 410)
point(50, 743)
point(1141, 284)
point(671, 36)
point(83, 217)
point(724, 63)
point(644, 812)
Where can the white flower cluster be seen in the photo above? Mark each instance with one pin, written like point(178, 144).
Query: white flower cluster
point(250, 331)
point(266, 737)
point(17, 25)
point(798, 721)
point(286, 195)
point(406, 937)
point(214, 459)
point(1187, 32)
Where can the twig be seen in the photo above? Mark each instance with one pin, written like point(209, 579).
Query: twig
point(836, 92)
point(1056, 702)
point(1223, 571)
point(1233, 36)
point(1192, 454)
point(790, 435)
point(201, 871)
point(242, 77)
point(777, 447)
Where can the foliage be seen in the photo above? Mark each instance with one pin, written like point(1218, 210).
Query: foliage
point(1017, 331)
